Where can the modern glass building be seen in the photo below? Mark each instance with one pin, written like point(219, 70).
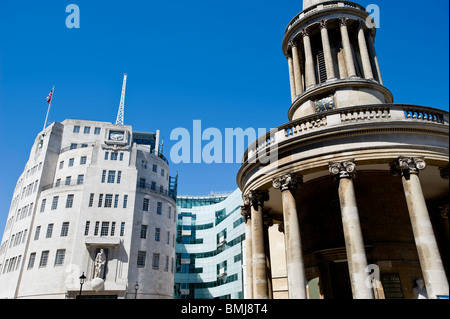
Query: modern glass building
point(210, 235)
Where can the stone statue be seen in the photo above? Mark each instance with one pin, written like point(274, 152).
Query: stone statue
point(420, 292)
point(99, 264)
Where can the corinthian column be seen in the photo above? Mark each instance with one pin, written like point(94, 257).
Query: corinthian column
point(260, 282)
point(309, 60)
point(427, 248)
point(354, 244)
point(327, 50)
point(363, 50)
point(297, 69)
point(246, 215)
point(348, 54)
point(294, 259)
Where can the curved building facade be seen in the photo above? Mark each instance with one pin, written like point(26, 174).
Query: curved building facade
point(93, 199)
point(210, 235)
point(357, 185)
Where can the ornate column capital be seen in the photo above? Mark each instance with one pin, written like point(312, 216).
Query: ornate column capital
point(288, 182)
point(346, 169)
point(406, 165)
point(361, 24)
point(293, 44)
point(343, 21)
point(304, 32)
point(323, 23)
point(245, 212)
point(256, 198)
point(443, 211)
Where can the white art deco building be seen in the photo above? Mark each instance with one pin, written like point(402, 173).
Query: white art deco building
point(209, 250)
point(95, 199)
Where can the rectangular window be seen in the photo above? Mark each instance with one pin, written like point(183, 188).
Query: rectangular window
point(91, 200)
point(166, 267)
point(111, 176)
point(80, 179)
point(55, 202)
point(83, 160)
point(145, 204)
point(122, 228)
point(76, 129)
point(168, 238)
point(87, 129)
point(31, 260)
point(121, 157)
point(105, 229)
point(106, 156)
point(97, 225)
point(113, 157)
point(125, 201)
point(97, 130)
point(159, 208)
point(100, 200)
point(44, 258)
point(144, 231)
point(61, 164)
point(116, 201)
point(37, 232)
point(69, 201)
point(71, 160)
point(59, 259)
point(153, 186)
point(43, 205)
point(155, 261)
point(49, 231)
point(142, 182)
point(86, 228)
point(113, 228)
point(58, 182)
point(141, 258)
point(103, 176)
point(119, 176)
point(65, 229)
point(162, 172)
point(155, 168)
point(108, 200)
point(68, 180)
point(157, 234)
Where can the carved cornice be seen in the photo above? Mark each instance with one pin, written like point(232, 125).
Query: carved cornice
point(407, 165)
point(346, 169)
point(288, 182)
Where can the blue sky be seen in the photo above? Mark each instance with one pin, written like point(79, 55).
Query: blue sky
point(216, 61)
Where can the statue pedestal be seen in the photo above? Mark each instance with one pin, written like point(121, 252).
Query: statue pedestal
point(97, 284)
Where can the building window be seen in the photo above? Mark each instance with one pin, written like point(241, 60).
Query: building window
point(80, 179)
point(103, 176)
point(97, 225)
point(71, 160)
point(116, 201)
point(122, 228)
point(106, 156)
point(145, 204)
point(49, 231)
point(105, 229)
point(65, 229)
point(69, 201)
point(153, 186)
point(121, 157)
point(108, 200)
point(166, 267)
point(61, 164)
point(162, 172)
point(100, 200)
point(142, 182)
point(83, 160)
point(97, 130)
point(113, 228)
point(157, 234)
point(111, 176)
point(119, 176)
point(143, 231)
point(58, 182)
point(44, 258)
point(59, 259)
point(37, 232)
point(86, 228)
point(55, 202)
point(87, 129)
point(141, 258)
point(113, 157)
point(159, 208)
point(125, 201)
point(68, 180)
point(43, 205)
point(155, 168)
point(155, 261)
point(76, 129)
point(91, 200)
point(31, 260)
point(168, 238)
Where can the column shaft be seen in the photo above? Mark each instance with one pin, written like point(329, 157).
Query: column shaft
point(260, 287)
point(373, 53)
point(309, 61)
point(367, 66)
point(246, 214)
point(327, 51)
point(348, 53)
point(292, 79)
point(297, 71)
point(427, 248)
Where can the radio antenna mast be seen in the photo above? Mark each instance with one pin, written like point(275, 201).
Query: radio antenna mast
point(120, 115)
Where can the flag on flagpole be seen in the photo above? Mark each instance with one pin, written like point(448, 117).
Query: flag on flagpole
point(49, 97)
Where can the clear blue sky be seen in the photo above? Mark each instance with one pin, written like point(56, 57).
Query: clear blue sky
point(216, 61)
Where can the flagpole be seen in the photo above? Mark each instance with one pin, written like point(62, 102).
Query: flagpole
point(49, 106)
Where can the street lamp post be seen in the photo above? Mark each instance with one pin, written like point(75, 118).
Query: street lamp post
point(82, 279)
point(136, 287)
